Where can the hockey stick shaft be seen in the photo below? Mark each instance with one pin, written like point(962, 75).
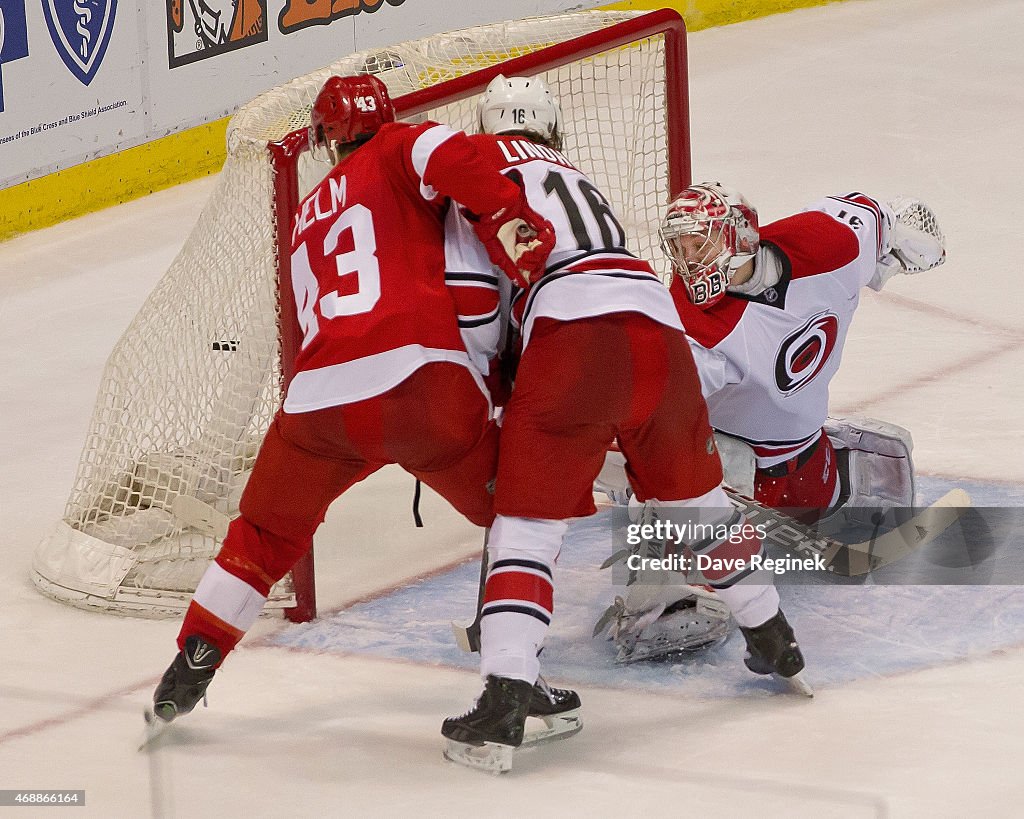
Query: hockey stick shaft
point(467, 637)
point(855, 559)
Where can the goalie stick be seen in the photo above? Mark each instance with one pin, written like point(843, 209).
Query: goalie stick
point(855, 559)
point(844, 559)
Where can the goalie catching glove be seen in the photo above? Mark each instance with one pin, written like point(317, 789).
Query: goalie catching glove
point(916, 242)
point(517, 239)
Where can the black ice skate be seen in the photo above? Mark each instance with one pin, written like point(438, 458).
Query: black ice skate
point(486, 736)
point(183, 685)
point(772, 649)
point(559, 708)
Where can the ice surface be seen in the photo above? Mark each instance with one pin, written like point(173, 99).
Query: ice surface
point(918, 710)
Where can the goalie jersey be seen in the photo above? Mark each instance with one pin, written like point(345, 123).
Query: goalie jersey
point(766, 360)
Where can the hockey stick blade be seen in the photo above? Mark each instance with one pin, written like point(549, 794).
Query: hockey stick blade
point(908, 537)
point(467, 635)
point(200, 516)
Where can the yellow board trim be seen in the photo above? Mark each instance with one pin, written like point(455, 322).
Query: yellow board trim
point(170, 160)
point(701, 14)
point(113, 179)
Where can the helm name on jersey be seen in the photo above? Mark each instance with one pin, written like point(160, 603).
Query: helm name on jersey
point(325, 201)
point(523, 150)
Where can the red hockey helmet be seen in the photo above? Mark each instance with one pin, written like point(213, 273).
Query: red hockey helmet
point(709, 232)
point(349, 109)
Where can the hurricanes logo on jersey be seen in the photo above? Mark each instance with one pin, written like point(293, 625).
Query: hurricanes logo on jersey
point(805, 352)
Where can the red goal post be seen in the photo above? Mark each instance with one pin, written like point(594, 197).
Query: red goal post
point(190, 388)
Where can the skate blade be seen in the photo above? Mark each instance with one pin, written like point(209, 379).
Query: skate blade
point(154, 729)
point(556, 726)
point(798, 684)
point(490, 757)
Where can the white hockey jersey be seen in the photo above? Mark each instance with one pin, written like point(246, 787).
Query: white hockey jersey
point(590, 272)
point(766, 360)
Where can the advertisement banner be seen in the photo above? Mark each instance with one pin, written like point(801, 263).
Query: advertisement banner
point(75, 90)
point(199, 29)
point(13, 37)
point(81, 79)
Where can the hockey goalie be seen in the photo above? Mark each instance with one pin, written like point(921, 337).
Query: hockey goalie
point(767, 311)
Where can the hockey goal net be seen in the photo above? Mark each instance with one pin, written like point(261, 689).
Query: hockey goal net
point(190, 388)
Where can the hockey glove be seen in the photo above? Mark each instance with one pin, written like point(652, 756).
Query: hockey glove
point(916, 242)
point(517, 239)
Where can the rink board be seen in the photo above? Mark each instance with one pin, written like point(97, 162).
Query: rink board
point(849, 629)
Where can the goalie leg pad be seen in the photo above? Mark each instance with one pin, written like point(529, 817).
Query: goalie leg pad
point(738, 463)
point(695, 622)
point(878, 468)
point(662, 613)
point(612, 480)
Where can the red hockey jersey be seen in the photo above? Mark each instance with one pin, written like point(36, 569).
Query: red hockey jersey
point(368, 263)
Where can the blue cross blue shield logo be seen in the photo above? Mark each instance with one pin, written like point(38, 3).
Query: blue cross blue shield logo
point(13, 35)
point(80, 29)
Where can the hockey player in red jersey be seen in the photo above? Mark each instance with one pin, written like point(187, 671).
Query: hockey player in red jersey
point(767, 311)
point(383, 375)
point(597, 319)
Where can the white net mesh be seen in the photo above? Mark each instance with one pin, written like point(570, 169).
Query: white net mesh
point(190, 388)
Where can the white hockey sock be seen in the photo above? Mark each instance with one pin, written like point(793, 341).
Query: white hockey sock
point(518, 598)
point(229, 599)
point(750, 594)
point(752, 601)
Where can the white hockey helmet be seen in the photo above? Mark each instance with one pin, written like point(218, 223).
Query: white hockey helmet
point(520, 105)
point(727, 225)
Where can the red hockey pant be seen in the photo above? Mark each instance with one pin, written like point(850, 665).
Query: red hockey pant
point(583, 384)
point(804, 486)
point(435, 424)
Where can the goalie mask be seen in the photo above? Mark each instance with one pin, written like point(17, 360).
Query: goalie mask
point(347, 110)
point(522, 105)
point(709, 232)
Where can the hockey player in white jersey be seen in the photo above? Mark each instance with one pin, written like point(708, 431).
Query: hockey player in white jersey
point(767, 311)
point(597, 319)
